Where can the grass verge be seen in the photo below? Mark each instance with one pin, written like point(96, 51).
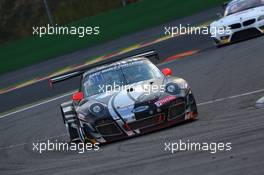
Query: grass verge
point(113, 24)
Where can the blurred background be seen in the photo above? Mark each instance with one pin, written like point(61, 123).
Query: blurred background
point(115, 18)
point(18, 16)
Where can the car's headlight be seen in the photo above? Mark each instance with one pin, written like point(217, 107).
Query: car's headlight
point(261, 18)
point(172, 88)
point(97, 109)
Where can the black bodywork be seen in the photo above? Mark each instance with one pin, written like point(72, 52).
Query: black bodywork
point(128, 112)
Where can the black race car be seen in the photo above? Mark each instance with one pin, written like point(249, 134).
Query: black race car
point(122, 98)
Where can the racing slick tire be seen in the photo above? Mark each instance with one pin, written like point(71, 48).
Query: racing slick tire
point(70, 120)
point(193, 106)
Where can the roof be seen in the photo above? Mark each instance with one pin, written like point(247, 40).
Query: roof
point(118, 63)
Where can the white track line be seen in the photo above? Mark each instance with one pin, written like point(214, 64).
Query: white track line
point(70, 93)
point(230, 97)
point(22, 144)
point(38, 104)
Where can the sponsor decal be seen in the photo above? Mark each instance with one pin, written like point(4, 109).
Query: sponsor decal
point(164, 100)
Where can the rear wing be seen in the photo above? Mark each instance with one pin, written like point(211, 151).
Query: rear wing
point(79, 71)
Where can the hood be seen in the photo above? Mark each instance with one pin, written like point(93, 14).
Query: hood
point(135, 92)
point(126, 99)
point(240, 16)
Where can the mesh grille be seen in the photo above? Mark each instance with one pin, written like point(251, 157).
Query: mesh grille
point(147, 122)
point(177, 110)
point(108, 129)
point(235, 26)
point(249, 22)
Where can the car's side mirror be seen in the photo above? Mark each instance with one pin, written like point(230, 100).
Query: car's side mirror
point(78, 96)
point(167, 71)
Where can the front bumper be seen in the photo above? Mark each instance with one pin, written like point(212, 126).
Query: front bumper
point(177, 111)
point(240, 31)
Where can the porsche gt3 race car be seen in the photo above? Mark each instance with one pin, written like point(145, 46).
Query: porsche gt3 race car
point(122, 98)
point(242, 20)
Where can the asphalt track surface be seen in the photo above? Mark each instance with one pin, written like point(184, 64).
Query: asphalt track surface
point(226, 82)
point(213, 74)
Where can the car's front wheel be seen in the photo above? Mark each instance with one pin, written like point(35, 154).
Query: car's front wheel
point(70, 120)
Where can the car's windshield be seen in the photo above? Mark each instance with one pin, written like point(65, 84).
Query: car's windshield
point(241, 5)
point(123, 74)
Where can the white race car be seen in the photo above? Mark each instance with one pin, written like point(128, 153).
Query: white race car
point(242, 19)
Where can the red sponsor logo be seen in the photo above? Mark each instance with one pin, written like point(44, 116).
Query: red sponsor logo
point(164, 100)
